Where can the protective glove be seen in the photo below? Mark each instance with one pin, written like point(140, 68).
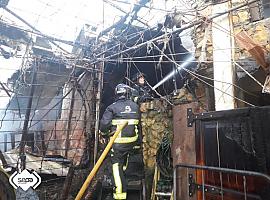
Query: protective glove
point(106, 134)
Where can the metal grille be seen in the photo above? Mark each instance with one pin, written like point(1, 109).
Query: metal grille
point(199, 186)
point(232, 153)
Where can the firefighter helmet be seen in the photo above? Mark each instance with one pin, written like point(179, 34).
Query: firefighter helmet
point(121, 89)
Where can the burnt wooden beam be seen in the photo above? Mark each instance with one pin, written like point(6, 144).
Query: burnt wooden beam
point(177, 31)
point(43, 146)
point(183, 148)
point(118, 8)
point(5, 142)
point(3, 160)
point(67, 144)
point(5, 89)
point(135, 10)
point(12, 140)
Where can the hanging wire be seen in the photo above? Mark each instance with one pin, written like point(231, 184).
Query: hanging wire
point(121, 49)
point(195, 76)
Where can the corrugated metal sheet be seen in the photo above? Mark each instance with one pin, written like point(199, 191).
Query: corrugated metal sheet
point(36, 163)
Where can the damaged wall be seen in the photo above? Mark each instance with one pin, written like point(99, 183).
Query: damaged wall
point(248, 18)
point(242, 19)
point(59, 126)
point(72, 130)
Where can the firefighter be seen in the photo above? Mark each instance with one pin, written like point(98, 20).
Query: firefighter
point(141, 92)
point(116, 114)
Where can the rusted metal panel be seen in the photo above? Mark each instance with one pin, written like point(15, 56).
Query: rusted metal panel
point(183, 148)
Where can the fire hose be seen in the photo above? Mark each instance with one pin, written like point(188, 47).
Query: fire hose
point(99, 162)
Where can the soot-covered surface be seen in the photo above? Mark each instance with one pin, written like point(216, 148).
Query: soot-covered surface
point(146, 60)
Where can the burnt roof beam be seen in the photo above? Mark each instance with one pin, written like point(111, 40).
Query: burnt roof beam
point(134, 12)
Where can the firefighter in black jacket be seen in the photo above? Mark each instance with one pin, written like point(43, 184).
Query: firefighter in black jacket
point(141, 92)
point(122, 110)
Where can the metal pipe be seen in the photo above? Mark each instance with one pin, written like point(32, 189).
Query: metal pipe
point(27, 117)
point(226, 170)
point(189, 60)
point(99, 162)
point(97, 108)
point(67, 144)
point(225, 190)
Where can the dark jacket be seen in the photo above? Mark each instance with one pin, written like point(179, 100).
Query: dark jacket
point(141, 94)
point(122, 109)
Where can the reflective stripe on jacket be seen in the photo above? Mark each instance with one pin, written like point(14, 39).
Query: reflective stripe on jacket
point(116, 114)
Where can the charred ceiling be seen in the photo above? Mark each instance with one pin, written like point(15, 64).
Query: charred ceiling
point(147, 59)
point(130, 49)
